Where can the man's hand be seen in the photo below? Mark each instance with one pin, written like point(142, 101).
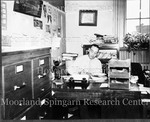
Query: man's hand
point(90, 75)
point(83, 72)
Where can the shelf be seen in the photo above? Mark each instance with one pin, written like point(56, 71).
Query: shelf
point(119, 74)
point(120, 79)
point(118, 85)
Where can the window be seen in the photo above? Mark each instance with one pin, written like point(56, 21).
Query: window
point(138, 16)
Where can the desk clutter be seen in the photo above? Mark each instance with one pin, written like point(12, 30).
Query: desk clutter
point(120, 75)
point(77, 81)
point(73, 81)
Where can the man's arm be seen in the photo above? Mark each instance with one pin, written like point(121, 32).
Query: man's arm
point(74, 68)
point(97, 68)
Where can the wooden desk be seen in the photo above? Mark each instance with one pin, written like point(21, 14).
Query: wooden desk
point(101, 104)
point(126, 104)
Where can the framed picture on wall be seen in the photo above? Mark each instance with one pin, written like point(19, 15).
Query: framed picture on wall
point(88, 18)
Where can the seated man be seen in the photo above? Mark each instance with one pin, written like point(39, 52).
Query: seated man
point(87, 64)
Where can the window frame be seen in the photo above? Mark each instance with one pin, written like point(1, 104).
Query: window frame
point(140, 18)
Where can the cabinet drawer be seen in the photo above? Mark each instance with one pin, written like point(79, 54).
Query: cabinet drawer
point(41, 88)
point(119, 86)
point(17, 75)
point(41, 72)
point(41, 67)
point(42, 61)
point(38, 78)
point(17, 101)
point(41, 76)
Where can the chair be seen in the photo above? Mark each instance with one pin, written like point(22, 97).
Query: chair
point(136, 69)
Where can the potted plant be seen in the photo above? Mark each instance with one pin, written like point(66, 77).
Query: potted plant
point(136, 41)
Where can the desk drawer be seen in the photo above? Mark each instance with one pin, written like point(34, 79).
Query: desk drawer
point(17, 75)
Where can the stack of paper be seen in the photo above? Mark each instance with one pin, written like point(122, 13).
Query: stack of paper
point(69, 56)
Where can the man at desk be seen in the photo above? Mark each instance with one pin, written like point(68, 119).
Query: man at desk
point(87, 64)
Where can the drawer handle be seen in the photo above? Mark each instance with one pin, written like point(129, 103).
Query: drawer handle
point(19, 87)
point(42, 76)
point(20, 104)
point(43, 89)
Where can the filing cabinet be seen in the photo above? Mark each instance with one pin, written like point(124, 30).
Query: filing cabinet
point(17, 88)
point(25, 79)
point(41, 72)
point(15, 80)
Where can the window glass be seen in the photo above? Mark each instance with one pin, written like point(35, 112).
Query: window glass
point(138, 16)
point(132, 26)
point(145, 26)
point(145, 8)
point(133, 8)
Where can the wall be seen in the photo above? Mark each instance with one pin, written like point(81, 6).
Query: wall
point(77, 35)
point(110, 21)
point(21, 34)
point(140, 56)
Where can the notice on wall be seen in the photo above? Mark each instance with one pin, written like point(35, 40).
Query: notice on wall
point(55, 17)
point(59, 32)
point(4, 15)
point(49, 14)
point(38, 24)
point(48, 29)
point(6, 40)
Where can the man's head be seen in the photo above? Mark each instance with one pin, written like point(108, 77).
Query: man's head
point(93, 51)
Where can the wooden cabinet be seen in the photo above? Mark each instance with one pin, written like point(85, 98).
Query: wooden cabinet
point(17, 87)
point(17, 79)
point(25, 80)
point(103, 103)
point(41, 72)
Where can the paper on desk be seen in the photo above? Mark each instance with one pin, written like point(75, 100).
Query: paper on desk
point(145, 100)
point(79, 77)
point(144, 89)
point(104, 85)
point(99, 79)
point(58, 83)
point(77, 87)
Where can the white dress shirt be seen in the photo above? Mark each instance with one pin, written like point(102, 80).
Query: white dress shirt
point(84, 65)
